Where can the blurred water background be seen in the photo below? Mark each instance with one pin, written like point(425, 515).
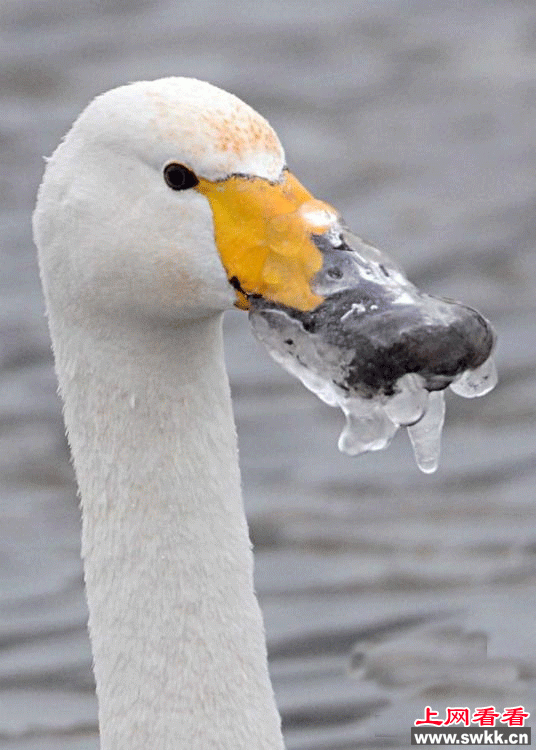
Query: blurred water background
point(383, 589)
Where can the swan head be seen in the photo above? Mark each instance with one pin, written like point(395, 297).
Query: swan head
point(170, 199)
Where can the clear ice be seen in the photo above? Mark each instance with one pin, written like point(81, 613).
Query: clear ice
point(425, 435)
point(370, 423)
point(478, 382)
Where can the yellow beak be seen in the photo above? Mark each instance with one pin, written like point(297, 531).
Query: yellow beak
point(263, 231)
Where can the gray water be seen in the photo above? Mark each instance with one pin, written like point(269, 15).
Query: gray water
point(383, 589)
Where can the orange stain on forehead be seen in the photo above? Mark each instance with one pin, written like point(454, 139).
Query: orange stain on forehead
point(222, 135)
point(239, 132)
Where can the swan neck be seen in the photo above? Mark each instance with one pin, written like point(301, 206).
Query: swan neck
point(177, 635)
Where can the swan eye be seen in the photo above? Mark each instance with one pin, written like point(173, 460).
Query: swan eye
point(179, 177)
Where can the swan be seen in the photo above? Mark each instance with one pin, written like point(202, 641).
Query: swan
point(134, 226)
point(167, 203)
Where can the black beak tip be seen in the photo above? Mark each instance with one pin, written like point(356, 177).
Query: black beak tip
point(437, 351)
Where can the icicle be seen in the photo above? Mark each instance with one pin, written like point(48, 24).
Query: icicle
point(425, 435)
point(368, 428)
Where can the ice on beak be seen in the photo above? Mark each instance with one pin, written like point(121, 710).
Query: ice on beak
point(378, 348)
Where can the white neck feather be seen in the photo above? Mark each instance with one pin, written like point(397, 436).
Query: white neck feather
point(176, 631)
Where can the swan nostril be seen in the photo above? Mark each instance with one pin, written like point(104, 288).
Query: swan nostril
point(384, 270)
point(335, 273)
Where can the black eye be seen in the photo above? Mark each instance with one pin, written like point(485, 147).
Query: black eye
point(179, 177)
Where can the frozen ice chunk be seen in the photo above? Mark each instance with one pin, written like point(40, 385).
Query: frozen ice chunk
point(315, 363)
point(371, 420)
point(478, 382)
